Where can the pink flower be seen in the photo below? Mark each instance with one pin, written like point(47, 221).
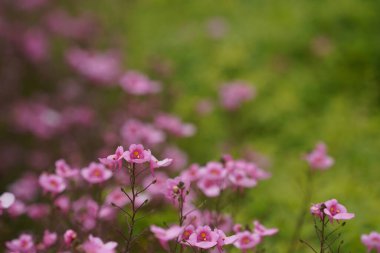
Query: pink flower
point(96, 245)
point(192, 173)
point(52, 183)
point(69, 236)
point(176, 188)
point(136, 83)
point(49, 238)
point(35, 45)
point(247, 240)
point(137, 154)
point(259, 229)
point(232, 95)
point(155, 163)
point(85, 212)
point(64, 170)
point(96, 173)
point(336, 211)
point(103, 68)
point(212, 179)
point(38, 211)
point(203, 238)
point(224, 240)
point(159, 187)
point(115, 160)
point(63, 203)
point(117, 197)
point(23, 244)
point(318, 158)
point(16, 209)
point(6, 200)
point(134, 131)
point(371, 241)
point(25, 188)
point(187, 231)
point(315, 210)
point(174, 125)
point(165, 235)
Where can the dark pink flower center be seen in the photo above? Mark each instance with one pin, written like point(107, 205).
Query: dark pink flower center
point(203, 237)
point(137, 154)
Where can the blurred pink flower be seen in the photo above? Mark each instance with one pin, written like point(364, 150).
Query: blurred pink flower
point(165, 235)
point(52, 183)
point(247, 240)
point(371, 241)
point(233, 94)
point(259, 229)
point(64, 170)
point(96, 245)
point(23, 244)
point(35, 45)
point(155, 163)
point(38, 211)
point(100, 67)
point(62, 203)
point(85, 212)
point(96, 173)
point(117, 197)
point(69, 236)
point(26, 187)
point(49, 239)
point(136, 83)
point(174, 125)
point(318, 158)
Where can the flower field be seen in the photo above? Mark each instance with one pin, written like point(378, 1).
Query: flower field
point(189, 126)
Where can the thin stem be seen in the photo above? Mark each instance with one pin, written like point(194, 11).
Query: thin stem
point(133, 206)
point(303, 212)
point(323, 235)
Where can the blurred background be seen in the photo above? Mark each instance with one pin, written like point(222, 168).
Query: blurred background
point(314, 67)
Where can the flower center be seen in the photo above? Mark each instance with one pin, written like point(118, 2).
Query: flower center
point(245, 240)
point(136, 154)
point(53, 183)
point(204, 236)
point(96, 173)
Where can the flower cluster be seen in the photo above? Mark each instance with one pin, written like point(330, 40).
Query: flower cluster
point(332, 209)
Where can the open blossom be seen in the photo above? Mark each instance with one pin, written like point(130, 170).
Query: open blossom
point(96, 245)
point(259, 229)
point(137, 154)
point(204, 238)
point(52, 183)
point(318, 158)
point(212, 179)
point(23, 244)
point(247, 240)
point(155, 163)
point(232, 95)
point(69, 236)
point(224, 240)
point(6, 200)
point(371, 241)
point(64, 170)
point(336, 211)
point(187, 231)
point(165, 235)
point(96, 173)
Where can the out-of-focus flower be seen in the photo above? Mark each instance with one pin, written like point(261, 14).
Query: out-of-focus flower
point(179, 158)
point(137, 154)
point(155, 163)
point(6, 200)
point(96, 173)
point(64, 170)
point(52, 183)
point(232, 95)
point(336, 211)
point(158, 188)
point(38, 211)
point(192, 173)
point(63, 203)
point(49, 238)
point(69, 236)
point(23, 244)
point(318, 158)
point(165, 235)
point(176, 188)
point(247, 240)
point(96, 245)
point(59, 22)
point(203, 238)
point(224, 240)
point(212, 179)
point(35, 45)
point(134, 131)
point(103, 68)
point(25, 188)
point(17, 208)
point(117, 197)
point(174, 125)
point(136, 83)
point(259, 229)
point(85, 212)
point(371, 241)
